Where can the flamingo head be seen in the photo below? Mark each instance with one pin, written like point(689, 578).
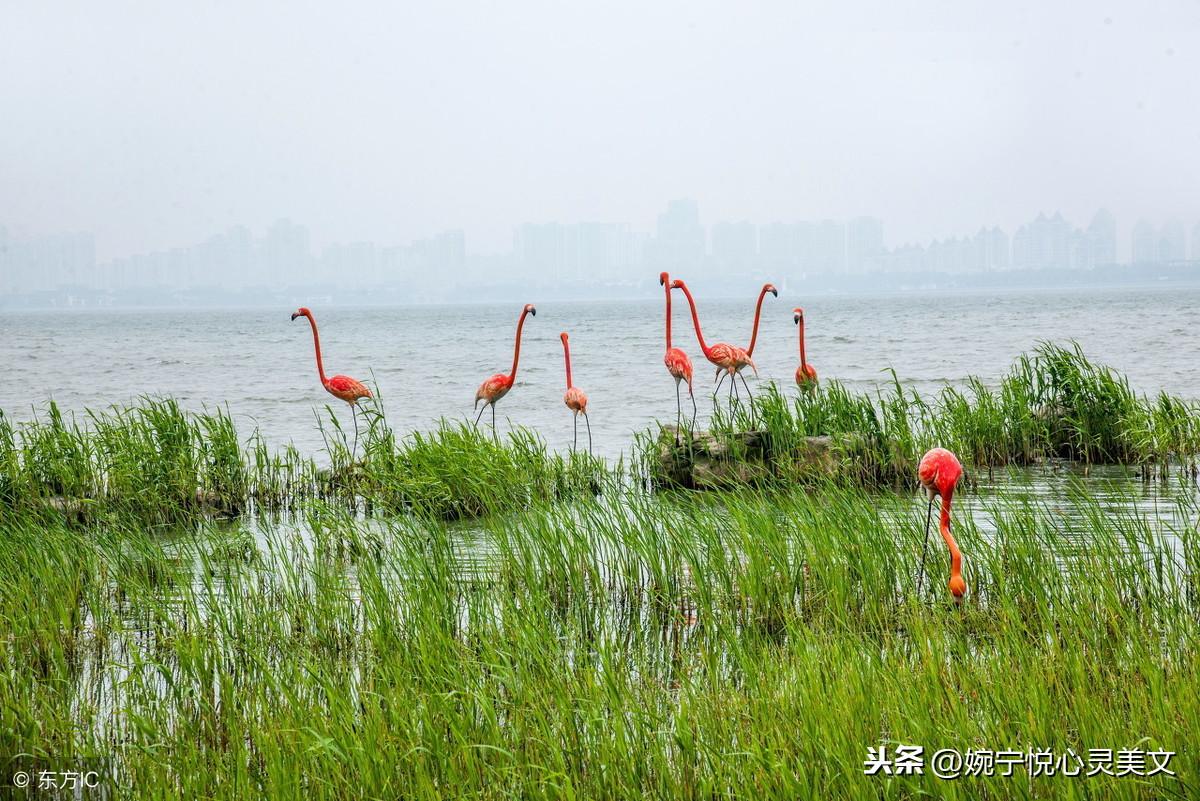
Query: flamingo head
point(771, 288)
point(563, 337)
point(301, 312)
point(676, 284)
point(797, 316)
point(530, 310)
point(663, 278)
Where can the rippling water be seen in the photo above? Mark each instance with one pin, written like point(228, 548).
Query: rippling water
point(427, 361)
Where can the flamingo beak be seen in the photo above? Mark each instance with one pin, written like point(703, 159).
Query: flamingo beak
point(294, 316)
point(774, 291)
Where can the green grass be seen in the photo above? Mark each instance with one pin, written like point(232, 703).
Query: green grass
point(1052, 404)
point(735, 646)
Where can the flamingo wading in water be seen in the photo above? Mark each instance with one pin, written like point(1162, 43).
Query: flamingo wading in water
point(498, 385)
point(723, 356)
point(342, 387)
point(575, 399)
point(939, 472)
point(806, 374)
point(677, 362)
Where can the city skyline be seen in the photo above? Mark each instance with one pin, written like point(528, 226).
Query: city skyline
point(581, 254)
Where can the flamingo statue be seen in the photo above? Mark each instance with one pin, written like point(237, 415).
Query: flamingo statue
point(677, 362)
point(341, 387)
point(725, 357)
point(806, 374)
point(939, 472)
point(575, 399)
point(498, 385)
point(768, 287)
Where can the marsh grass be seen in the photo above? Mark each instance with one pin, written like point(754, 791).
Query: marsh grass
point(623, 646)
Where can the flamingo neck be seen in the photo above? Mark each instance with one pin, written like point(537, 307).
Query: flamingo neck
point(512, 376)
point(757, 314)
point(317, 347)
point(803, 361)
point(668, 315)
point(955, 554)
point(567, 356)
point(695, 318)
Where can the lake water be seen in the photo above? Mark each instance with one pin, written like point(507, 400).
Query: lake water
point(427, 361)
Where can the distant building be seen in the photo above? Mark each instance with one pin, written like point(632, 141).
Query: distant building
point(679, 241)
point(1044, 244)
point(1196, 242)
point(1172, 242)
point(734, 244)
point(864, 245)
point(1143, 245)
point(1102, 239)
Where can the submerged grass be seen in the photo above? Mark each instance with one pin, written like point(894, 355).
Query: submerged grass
point(734, 646)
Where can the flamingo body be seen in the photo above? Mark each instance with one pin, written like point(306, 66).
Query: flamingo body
point(576, 400)
point(679, 366)
point(939, 473)
point(493, 389)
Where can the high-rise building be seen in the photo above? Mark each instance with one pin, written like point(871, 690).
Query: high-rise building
point(1102, 239)
point(679, 238)
point(1172, 242)
point(734, 244)
point(1196, 242)
point(864, 245)
point(1044, 244)
point(1143, 245)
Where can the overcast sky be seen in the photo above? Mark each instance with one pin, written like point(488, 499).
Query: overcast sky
point(155, 125)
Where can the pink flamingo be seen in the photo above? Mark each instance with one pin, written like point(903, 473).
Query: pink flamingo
point(939, 472)
point(806, 374)
point(768, 287)
point(575, 399)
point(498, 385)
point(339, 386)
point(725, 357)
point(677, 362)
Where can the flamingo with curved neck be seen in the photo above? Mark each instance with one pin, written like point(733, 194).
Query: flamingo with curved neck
point(498, 385)
point(725, 357)
point(939, 473)
point(575, 399)
point(806, 374)
point(677, 362)
point(758, 313)
point(342, 387)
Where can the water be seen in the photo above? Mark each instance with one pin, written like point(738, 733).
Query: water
point(428, 361)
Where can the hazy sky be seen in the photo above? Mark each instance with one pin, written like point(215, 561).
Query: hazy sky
point(155, 125)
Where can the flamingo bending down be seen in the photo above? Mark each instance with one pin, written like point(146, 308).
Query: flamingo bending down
point(575, 399)
point(341, 387)
point(725, 357)
point(498, 385)
point(677, 362)
point(939, 472)
point(806, 374)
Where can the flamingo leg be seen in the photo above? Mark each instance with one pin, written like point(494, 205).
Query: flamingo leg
point(693, 397)
point(925, 549)
point(589, 429)
point(495, 436)
point(479, 416)
point(732, 388)
point(354, 414)
point(678, 412)
point(575, 441)
point(718, 388)
point(747, 386)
